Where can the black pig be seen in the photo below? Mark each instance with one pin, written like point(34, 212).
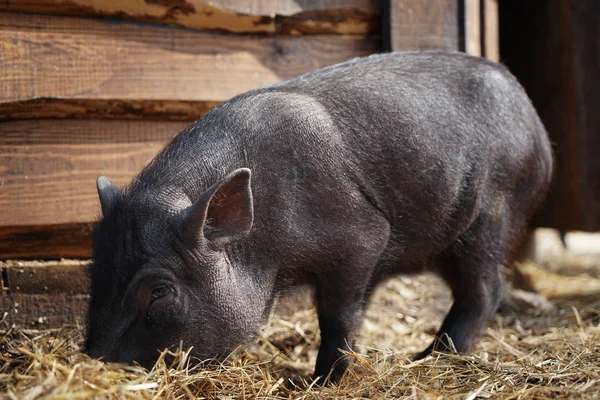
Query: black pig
point(393, 163)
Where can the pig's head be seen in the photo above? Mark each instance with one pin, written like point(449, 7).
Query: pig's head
point(161, 275)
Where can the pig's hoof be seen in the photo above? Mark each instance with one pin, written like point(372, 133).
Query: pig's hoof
point(422, 355)
point(300, 383)
point(297, 383)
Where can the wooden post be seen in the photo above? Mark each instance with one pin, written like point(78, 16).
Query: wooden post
point(491, 40)
point(465, 25)
point(553, 49)
point(472, 29)
point(421, 25)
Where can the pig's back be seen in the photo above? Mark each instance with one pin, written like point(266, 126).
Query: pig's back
point(413, 136)
point(418, 133)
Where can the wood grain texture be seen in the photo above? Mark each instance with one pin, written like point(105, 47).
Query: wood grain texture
point(56, 310)
point(491, 37)
point(44, 311)
point(553, 49)
point(48, 168)
point(155, 110)
point(293, 17)
point(420, 25)
point(586, 70)
point(472, 27)
point(291, 7)
point(76, 59)
point(55, 293)
point(49, 277)
point(551, 82)
point(46, 241)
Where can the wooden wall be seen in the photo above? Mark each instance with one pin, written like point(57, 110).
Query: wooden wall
point(92, 87)
point(98, 87)
point(553, 47)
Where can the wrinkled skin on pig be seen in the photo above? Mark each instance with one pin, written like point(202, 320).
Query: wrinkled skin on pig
point(396, 163)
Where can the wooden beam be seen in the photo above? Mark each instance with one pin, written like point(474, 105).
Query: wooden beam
point(360, 21)
point(349, 17)
point(44, 294)
point(421, 25)
point(156, 110)
point(66, 59)
point(49, 277)
point(57, 310)
point(44, 311)
point(52, 294)
point(49, 167)
point(290, 7)
point(46, 241)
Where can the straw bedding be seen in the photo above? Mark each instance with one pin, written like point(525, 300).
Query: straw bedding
point(533, 349)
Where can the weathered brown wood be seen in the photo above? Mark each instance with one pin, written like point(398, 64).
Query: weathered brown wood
point(291, 7)
point(586, 70)
point(161, 110)
point(472, 27)
point(491, 40)
point(55, 293)
point(50, 277)
point(466, 25)
point(65, 303)
point(46, 241)
point(259, 16)
point(48, 168)
point(421, 25)
point(44, 310)
point(553, 48)
point(64, 58)
point(353, 21)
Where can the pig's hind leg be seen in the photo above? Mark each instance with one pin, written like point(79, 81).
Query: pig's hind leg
point(473, 267)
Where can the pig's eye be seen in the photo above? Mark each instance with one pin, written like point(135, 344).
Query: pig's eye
point(163, 307)
point(159, 292)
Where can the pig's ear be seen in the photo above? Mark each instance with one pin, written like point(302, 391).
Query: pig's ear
point(108, 193)
point(225, 212)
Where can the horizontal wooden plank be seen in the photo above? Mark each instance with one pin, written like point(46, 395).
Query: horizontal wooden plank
point(86, 132)
point(366, 21)
point(171, 110)
point(48, 168)
point(46, 241)
point(66, 304)
point(264, 16)
point(50, 277)
point(62, 58)
point(291, 7)
point(50, 294)
point(44, 310)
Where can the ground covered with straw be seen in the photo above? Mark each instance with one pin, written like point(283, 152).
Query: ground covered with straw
point(533, 349)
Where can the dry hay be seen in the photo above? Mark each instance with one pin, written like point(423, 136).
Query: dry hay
point(528, 352)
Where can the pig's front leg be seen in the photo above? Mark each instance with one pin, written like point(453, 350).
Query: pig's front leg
point(340, 293)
